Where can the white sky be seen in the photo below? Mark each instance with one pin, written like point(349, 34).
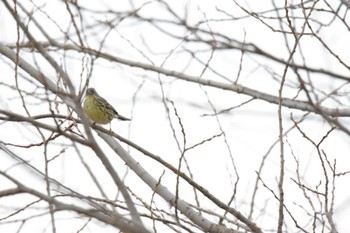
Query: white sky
point(250, 130)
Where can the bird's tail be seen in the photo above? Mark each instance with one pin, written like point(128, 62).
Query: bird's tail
point(120, 117)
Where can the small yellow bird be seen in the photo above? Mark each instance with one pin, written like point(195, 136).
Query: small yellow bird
point(98, 109)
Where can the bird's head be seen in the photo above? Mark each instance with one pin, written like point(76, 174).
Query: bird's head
point(91, 91)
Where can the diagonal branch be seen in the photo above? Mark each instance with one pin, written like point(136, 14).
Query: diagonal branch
point(240, 89)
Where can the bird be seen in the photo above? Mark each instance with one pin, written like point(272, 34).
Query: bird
point(98, 109)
